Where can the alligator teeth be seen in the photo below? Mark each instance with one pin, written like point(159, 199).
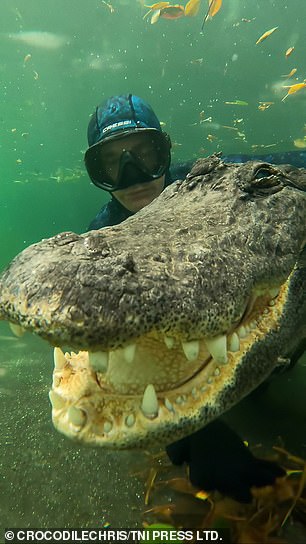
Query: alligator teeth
point(98, 360)
point(130, 420)
point(149, 405)
point(234, 344)
point(76, 416)
point(56, 380)
point(242, 333)
point(216, 346)
point(191, 349)
point(59, 359)
point(274, 292)
point(17, 330)
point(194, 392)
point(107, 427)
point(129, 353)
point(169, 341)
point(169, 405)
point(57, 402)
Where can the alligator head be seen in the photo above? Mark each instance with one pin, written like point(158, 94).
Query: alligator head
point(177, 313)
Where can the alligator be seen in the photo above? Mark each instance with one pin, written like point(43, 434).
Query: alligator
point(174, 316)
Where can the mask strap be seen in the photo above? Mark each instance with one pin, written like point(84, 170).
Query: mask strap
point(133, 110)
point(97, 118)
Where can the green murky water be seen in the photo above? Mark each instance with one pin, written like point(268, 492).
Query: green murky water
point(50, 83)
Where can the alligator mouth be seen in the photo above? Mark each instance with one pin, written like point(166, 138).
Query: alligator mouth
point(131, 396)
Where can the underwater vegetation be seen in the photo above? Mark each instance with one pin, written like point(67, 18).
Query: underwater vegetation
point(276, 515)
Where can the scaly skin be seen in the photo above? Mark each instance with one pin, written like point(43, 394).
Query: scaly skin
point(149, 298)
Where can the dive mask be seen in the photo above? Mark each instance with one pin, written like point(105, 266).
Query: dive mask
point(128, 157)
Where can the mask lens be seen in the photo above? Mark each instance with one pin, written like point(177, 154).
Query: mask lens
point(148, 150)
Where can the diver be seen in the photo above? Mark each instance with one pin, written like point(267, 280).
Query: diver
point(129, 156)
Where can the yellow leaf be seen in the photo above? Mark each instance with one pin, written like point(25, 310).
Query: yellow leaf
point(158, 5)
point(202, 495)
point(266, 34)
point(192, 7)
point(214, 6)
point(293, 71)
point(289, 51)
point(155, 17)
point(293, 89)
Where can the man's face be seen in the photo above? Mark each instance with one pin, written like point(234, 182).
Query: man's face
point(138, 196)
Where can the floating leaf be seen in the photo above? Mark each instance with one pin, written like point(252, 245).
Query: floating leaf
point(155, 16)
point(293, 89)
point(213, 8)
point(289, 51)
point(192, 8)
point(154, 7)
point(237, 103)
point(172, 12)
point(293, 71)
point(300, 143)
point(266, 34)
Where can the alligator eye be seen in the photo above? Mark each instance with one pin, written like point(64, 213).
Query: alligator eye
point(262, 173)
point(265, 179)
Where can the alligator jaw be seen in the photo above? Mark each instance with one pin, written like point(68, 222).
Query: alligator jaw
point(158, 297)
point(152, 390)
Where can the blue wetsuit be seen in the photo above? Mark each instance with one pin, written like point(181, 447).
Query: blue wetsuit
point(114, 213)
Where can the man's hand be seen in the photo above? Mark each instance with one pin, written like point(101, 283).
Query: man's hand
point(219, 460)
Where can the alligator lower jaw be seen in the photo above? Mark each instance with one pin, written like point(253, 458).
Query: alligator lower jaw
point(159, 395)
